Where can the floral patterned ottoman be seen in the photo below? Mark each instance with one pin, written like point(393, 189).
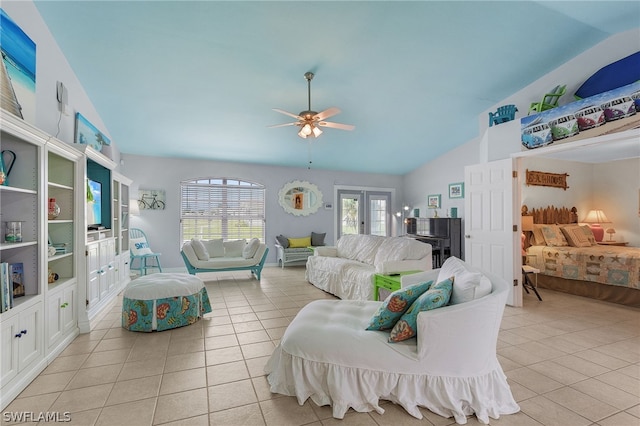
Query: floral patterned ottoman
point(163, 301)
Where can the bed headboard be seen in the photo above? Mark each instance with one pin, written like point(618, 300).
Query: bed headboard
point(552, 214)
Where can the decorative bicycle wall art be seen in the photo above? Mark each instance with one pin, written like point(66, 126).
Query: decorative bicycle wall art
point(151, 199)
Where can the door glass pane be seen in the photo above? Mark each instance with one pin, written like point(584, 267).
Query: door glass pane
point(350, 209)
point(378, 217)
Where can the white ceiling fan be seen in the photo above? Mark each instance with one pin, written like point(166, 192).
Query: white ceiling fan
point(310, 121)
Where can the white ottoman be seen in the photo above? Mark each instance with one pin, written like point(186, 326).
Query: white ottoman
point(163, 301)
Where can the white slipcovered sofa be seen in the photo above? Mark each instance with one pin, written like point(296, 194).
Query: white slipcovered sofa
point(217, 256)
point(450, 368)
point(347, 269)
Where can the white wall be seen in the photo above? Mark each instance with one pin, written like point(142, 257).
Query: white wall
point(51, 67)
point(573, 73)
point(616, 190)
point(580, 181)
point(163, 226)
point(435, 177)
point(503, 140)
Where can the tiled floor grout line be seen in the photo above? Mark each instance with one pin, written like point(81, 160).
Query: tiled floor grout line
point(562, 331)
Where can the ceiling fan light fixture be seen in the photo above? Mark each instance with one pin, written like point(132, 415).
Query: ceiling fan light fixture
point(310, 120)
point(306, 129)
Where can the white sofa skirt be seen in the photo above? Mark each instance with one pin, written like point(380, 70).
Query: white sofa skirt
point(327, 355)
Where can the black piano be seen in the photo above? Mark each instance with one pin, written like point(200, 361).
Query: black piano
point(443, 233)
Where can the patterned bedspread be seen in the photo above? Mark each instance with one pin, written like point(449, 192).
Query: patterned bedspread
point(603, 264)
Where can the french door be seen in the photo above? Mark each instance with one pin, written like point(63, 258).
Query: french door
point(364, 212)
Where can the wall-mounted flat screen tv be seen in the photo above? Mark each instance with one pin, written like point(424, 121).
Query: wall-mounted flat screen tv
point(94, 203)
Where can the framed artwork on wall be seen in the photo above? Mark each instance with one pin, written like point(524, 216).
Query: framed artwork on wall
point(151, 199)
point(433, 201)
point(456, 190)
point(88, 134)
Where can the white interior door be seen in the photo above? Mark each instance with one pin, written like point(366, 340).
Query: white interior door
point(490, 236)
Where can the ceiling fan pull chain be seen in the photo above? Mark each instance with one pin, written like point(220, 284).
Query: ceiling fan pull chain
point(309, 151)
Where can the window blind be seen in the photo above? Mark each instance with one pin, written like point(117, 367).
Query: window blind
point(222, 208)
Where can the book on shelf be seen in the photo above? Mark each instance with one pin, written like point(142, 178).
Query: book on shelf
point(6, 295)
point(16, 272)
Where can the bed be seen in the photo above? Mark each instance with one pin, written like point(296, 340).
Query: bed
point(570, 260)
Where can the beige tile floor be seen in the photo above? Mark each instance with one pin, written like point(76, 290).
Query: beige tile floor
point(569, 361)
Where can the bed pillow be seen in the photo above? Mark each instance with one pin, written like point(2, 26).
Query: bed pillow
point(438, 295)
point(234, 248)
point(300, 242)
point(553, 236)
point(283, 241)
point(139, 246)
point(317, 240)
point(395, 305)
point(251, 248)
point(538, 238)
point(589, 233)
point(575, 235)
point(200, 249)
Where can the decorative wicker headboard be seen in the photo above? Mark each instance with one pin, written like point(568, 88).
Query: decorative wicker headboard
point(552, 214)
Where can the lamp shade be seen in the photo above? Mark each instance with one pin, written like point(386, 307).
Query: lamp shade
point(134, 209)
point(596, 216)
point(594, 219)
point(527, 223)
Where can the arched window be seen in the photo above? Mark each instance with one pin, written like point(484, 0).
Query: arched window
point(224, 208)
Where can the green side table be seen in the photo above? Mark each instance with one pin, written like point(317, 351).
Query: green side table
point(389, 282)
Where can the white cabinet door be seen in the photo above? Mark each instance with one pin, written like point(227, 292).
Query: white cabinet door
point(54, 320)
point(29, 344)
point(93, 271)
point(9, 349)
point(111, 269)
point(68, 311)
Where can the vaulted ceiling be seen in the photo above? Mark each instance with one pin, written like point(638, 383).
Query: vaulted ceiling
point(199, 79)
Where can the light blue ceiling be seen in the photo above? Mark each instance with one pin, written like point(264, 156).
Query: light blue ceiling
point(199, 79)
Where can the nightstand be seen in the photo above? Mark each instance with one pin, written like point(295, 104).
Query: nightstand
point(612, 243)
point(389, 282)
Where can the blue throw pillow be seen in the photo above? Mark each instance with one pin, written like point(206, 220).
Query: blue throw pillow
point(437, 296)
point(395, 305)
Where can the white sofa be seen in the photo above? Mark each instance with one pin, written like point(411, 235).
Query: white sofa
point(348, 269)
point(450, 368)
point(217, 256)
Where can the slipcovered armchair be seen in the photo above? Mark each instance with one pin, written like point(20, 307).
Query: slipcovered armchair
point(451, 367)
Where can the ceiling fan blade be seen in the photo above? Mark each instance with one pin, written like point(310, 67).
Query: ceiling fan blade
point(281, 111)
point(329, 112)
point(282, 125)
point(336, 125)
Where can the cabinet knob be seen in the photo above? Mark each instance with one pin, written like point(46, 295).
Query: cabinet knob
point(19, 335)
point(467, 236)
point(24, 331)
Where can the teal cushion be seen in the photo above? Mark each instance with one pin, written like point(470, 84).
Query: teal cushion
point(395, 305)
point(437, 296)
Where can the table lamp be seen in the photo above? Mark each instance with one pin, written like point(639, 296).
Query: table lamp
point(594, 219)
point(610, 231)
point(527, 226)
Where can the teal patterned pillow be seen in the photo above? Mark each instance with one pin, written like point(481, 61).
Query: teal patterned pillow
point(395, 305)
point(435, 297)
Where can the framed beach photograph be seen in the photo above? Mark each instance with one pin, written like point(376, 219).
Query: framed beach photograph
point(456, 190)
point(87, 134)
point(433, 201)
